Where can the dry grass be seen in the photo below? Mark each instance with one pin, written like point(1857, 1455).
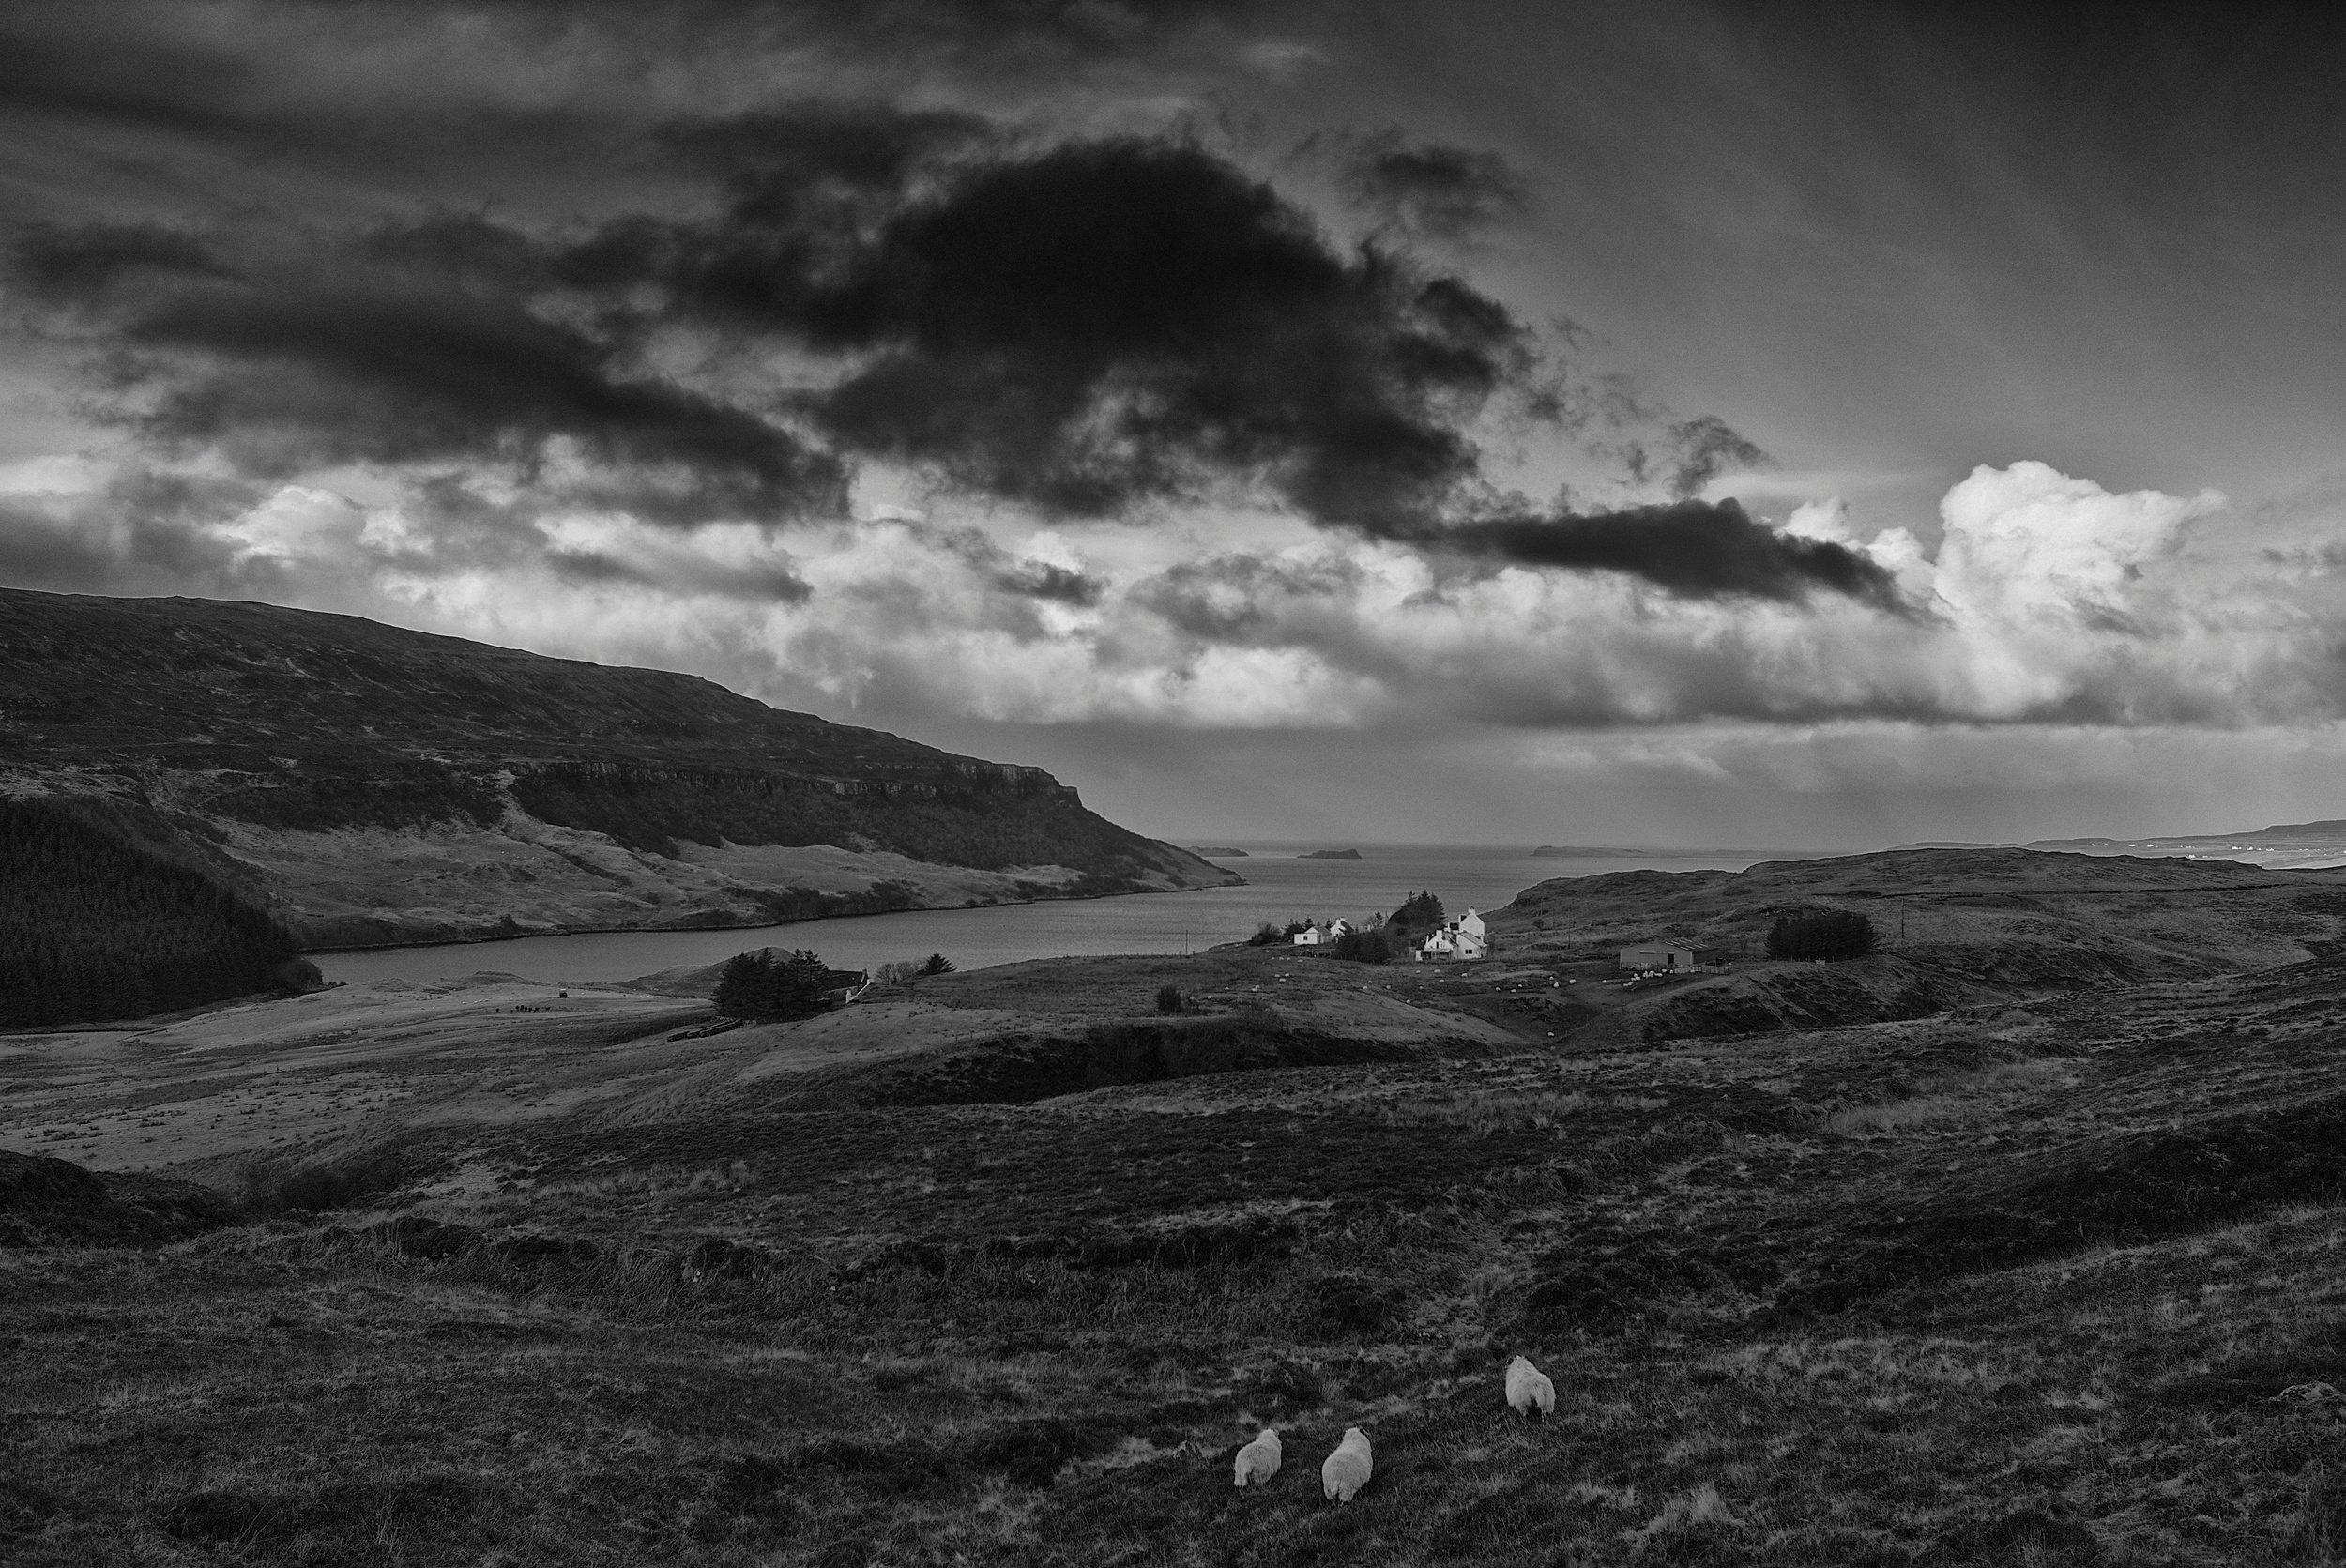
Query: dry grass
point(2020, 1286)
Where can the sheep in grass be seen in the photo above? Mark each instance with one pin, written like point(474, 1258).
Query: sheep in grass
point(1529, 1391)
point(1259, 1461)
point(1346, 1472)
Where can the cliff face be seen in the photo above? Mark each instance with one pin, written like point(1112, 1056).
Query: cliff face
point(380, 785)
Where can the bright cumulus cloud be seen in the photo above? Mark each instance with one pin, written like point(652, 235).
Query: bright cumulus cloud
point(2047, 598)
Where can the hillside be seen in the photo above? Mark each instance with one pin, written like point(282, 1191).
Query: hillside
point(1957, 927)
point(1001, 1266)
point(376, 786)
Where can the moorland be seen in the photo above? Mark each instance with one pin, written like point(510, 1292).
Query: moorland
point(2017, 1240)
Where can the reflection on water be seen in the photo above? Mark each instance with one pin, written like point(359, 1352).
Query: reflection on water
point(1280, 887)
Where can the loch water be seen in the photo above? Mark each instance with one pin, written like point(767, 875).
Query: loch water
point(1281, 884)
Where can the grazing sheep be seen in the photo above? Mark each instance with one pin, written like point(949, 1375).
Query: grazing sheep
point(1259, 1459)
point(1529, 1391)
point(1346, 1472)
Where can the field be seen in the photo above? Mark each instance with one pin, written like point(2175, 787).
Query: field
point(1002, 1267)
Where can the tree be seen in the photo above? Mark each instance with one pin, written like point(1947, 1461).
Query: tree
point(1266, 934)
point(773, 984)
point(937, 964)
point(1827, 933)
point(1420, 912)
point(96, 924)
point(1365, 946)
point(1168, 999)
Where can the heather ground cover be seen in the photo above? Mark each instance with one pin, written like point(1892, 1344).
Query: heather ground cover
point(2028, 1280)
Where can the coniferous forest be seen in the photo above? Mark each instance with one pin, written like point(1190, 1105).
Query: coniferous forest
point(773, 984)
point(93, 927)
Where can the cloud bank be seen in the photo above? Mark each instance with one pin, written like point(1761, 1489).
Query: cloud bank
point(2048, 600)
point(1086, 329)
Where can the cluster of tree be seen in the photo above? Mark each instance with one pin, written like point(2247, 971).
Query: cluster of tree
point(1829, 934)
point(912, 969)
point(774, 984)
point(1380, 941)
point(1419, 912)
point(95, 926)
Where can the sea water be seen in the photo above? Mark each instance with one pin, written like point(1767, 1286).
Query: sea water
point(1282, 884)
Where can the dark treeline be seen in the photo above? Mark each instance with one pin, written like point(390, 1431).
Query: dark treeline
point(774, 984)
point(92, 927)
point(1820, 934)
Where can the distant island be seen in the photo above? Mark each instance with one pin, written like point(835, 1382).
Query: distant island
point(1590, 852)
point(1219, 853)
point(2287, 845)
point(1327, 855)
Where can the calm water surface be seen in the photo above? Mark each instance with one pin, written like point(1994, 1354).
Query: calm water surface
point(1281, 885)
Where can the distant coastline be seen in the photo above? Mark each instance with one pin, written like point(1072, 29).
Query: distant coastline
point(1593, 852)
point(1329, 854)
point(1218, 852)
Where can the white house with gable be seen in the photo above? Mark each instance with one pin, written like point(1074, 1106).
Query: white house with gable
point(1462, 938)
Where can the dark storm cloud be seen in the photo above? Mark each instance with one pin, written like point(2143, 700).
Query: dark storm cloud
point(1431, 190)
point(1052, 29)
point(1101, 324)
point(1056, 584)
point(776, 162)
point(338, 82)
point(1084, 328)
point(144, 533)
point(1703, 448)
point(388, 351)
point(1228, 599)
point(768, 584)
point(1693, 549)
point(61, 264)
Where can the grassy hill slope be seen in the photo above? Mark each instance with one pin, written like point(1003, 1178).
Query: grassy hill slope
point(1957, 927)
point(376, 786)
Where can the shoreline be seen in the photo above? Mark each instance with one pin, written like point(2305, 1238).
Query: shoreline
point(760, 926)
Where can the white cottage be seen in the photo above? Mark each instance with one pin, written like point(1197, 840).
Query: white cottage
point(1463, 939)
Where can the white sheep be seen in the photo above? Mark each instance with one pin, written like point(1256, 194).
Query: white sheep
point(1346, 1472)
point(1259, 1459)
point(1529, 1391)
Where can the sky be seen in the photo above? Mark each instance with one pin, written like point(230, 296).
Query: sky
point(1804, 426)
